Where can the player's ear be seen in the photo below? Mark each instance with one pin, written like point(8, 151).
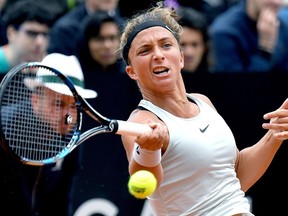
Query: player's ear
point(130, 72)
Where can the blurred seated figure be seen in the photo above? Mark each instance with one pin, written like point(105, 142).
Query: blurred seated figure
point(27, 27)
point(104, 71)
point(64, 32)
point(98, 53)
point(194, 40)
point(57, 8)
point(250, 37)
point(98, 44)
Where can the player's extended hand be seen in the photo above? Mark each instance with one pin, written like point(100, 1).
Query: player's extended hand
point(153, 140)
point(278, 121)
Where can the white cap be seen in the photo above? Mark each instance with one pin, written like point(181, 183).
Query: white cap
point(67, 65)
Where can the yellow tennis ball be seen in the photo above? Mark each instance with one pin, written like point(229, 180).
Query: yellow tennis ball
point(142, 183)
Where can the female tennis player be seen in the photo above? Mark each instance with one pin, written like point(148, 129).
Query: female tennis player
point(191, 151)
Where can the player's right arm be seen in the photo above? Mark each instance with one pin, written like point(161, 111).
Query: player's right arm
point(154, 142)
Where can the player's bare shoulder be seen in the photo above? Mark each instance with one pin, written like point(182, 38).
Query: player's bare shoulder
point(203, 98)
point(141, 115)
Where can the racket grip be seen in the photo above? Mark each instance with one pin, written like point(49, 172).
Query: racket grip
point(132, 128)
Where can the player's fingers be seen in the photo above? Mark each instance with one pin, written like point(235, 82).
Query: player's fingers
point(155, 139)
point(279, 127)
point(279, 116)
point(281, 112)
point(281, 135)
point(280, 131)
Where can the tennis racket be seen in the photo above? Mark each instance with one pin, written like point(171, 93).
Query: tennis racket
point(38, 125)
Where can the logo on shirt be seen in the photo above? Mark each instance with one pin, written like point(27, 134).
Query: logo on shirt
point(202, 130)
point(137, 150)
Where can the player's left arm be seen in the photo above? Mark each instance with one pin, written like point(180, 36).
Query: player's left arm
point(252, 162)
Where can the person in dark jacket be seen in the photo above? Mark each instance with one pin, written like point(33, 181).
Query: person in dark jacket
point(64, 32)
point(250, 37)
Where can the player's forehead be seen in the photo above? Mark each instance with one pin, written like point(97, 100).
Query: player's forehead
point(150, 35)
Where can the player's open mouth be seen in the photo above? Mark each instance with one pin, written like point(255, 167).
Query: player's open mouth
point(161, 70)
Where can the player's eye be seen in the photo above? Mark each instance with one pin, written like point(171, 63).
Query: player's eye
point(166, 45)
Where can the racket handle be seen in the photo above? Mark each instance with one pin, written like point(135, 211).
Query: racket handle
point(132, 128)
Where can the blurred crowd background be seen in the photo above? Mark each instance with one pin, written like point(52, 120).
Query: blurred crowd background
point(236, 52)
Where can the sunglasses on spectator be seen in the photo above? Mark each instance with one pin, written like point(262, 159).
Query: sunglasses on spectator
point(34, 34)
point(102, 39)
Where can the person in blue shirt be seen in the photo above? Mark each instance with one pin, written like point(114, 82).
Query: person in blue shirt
point(250, 37)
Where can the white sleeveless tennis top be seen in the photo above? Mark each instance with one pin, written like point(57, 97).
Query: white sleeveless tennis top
point(199, 176)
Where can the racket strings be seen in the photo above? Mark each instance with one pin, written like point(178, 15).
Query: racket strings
point(34, 137)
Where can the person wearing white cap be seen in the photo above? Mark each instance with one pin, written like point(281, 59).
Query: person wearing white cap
point(67, 65)
point(70, 67)
point(46, 189)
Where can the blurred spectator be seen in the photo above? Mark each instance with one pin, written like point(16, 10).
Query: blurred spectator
point(250, 37)
point(57, 8)
point(64, 33)
point(194, 40)
point(28, 25)
point(97, 51)
point(41, 190)
point(98, 44)
point(104, 72)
